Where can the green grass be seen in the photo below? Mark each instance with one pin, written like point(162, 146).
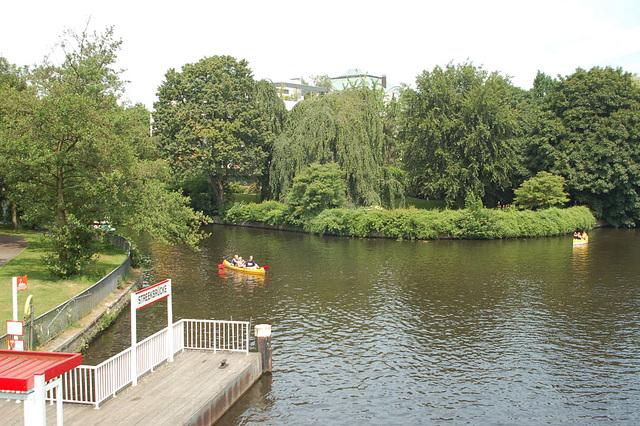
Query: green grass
point(47, 292)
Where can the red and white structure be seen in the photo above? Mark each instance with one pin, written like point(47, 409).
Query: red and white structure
point(28, 376)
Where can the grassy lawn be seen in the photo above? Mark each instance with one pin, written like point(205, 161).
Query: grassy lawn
point(47, 292)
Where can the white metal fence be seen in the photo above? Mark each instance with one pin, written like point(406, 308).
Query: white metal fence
point(92, 385)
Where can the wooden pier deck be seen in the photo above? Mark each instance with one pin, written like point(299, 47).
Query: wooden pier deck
point(192, 390)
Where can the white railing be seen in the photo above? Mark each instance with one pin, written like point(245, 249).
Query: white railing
point(217, 335)
point(92, 385)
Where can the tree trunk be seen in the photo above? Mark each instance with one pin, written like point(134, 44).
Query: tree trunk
point(61, 213)
point(61, 208)
point(217, 186)
point(14, 216)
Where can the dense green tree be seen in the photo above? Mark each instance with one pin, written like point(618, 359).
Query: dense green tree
point(318, 187)
point(542, 191)
point(75, 155)
point(344, 128)
point(273, 113)
point(460, 124)
point(211, 119)
point(543, 85)
point(14, 93)
point(393, 181)
point(589, 132)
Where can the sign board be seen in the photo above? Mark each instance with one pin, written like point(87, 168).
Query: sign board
point(143, 298)
point(15, 328)
point(15, 345)
point(22, 283)
point(17, 283)
point(152, 294)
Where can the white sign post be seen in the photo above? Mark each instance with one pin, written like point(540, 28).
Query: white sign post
point(17, 284)
point(139, 300)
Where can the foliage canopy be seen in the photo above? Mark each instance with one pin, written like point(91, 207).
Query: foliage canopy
point(457, 137)
point(213, 121)
point(588, 132)
point(542, 191)
point(344, 128)
point(318, 187)
point(73, 155)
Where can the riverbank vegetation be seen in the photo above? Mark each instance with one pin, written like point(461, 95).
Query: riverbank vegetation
point(71, 154)
point(339, 162)
point(50, 292)
point(469, 223)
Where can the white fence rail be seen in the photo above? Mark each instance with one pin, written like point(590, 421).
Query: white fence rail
point(217, 335)
point(92, 385)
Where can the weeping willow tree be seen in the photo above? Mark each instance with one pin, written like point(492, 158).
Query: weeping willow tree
point(343, 128)
point(273, 113)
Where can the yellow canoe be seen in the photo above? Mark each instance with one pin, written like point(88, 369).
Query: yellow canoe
point(259, 271)
point(577, 242)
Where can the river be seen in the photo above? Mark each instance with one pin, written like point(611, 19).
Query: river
point(376, 331)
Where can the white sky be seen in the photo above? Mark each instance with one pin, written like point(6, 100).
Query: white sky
point(282, 39)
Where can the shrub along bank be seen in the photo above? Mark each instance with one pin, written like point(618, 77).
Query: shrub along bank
point(411, 223)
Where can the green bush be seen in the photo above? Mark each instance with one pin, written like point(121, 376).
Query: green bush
point(271, 212)
point(72, 248)
point(316, 188)
point(542, 191)
point(472, 223)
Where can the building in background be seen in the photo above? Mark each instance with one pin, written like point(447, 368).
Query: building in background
point(357, 78)
point(293, 91)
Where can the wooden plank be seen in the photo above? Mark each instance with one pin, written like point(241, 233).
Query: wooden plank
point(171, 395)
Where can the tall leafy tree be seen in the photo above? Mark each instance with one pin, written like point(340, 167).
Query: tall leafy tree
point(589, 133)
point(14, 93)
point(77, 156)
point(460, 123)
point(211, 122)
point(273, 113)
point(344, 128)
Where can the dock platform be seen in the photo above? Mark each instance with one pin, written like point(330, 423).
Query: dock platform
point(192, 390)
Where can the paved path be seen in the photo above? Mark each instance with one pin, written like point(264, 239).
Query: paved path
point(10, 246)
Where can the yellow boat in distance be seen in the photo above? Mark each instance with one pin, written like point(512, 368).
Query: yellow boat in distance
point(259, 271)
point(580, 241)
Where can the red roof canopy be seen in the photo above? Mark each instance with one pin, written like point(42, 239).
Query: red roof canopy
point(18, 368)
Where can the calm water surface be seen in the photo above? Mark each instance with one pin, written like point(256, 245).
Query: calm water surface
point(393, 332)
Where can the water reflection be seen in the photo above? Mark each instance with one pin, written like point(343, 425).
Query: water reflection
point(580, 259)
point(242, 282)
point(378, 331)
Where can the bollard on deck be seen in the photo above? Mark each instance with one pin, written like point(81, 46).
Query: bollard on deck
point(263, 345)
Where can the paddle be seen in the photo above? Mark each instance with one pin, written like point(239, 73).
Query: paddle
point(265, 267)
point(220, 265)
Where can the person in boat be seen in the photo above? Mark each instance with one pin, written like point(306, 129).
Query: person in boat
point(240, 263)
point(251, 264)
point(584, 235)
point(577, 235)
point(234, 261)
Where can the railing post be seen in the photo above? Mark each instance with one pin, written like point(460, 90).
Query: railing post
point(263, 345)
point(215, 337)
point(246, 335)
